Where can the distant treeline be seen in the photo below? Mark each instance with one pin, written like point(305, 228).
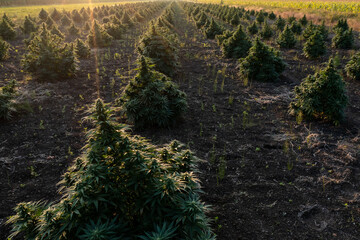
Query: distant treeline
point(49, 2)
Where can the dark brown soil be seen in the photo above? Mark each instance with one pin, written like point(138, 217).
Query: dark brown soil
point(265, 175)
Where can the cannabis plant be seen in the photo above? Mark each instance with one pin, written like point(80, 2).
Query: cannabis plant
point(237, 46)
point(6, 18)
point(7, 102)
point(322, 96)
point(152, 99)
point(48, 58)
point(266, 32)
point(225, 35)
point(29, 26)
point(263, 63)
point(55, 31)
point(73, 31)
point(343, 39)
point(352, 68)
point(4, 49)
point(280, 23)
point(315, 47)
point(213, 30)
point(7, 32)
point(121, 188)
point(82, 49)
point(286, 38)
point(43, 15)
point(161, 53)
point(98, 37)
point(253, 28)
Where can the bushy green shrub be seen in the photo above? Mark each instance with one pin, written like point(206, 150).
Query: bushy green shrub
point(6, 18)
point(201, 20)
point(4, 49)
point(115, 30)
point(280, 23)
point(123, 187)
point(213, 30)
point(126, 20)
point(235, 20)
point(82, 50)
point(315, 46)
point(152, 99)
point(7, 32)
point(343, 39)
point(73, 31)
point(56, 15)
point(76, 16)
point(253, 28)
point(55, 30)
point(272, 16)
point(43, 15)
point(352, 68)
point(322, 95)
point(309, 30)
point(303, 21)
point(65, 21)
point(260, 18)
point(296, 27)
point(237, 46)
point(266, 32)
point(29, 26)
point(263, 63)
point(160, 51)
point(225, 35)
point(50, 22)
point(7, 102)
point(98, 37)
point(341, 25)
point(48, 58)
point(286, 38)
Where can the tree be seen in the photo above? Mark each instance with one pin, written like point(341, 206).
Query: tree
point(322, 96)
point(352, 68)
point(151, 99)
point(315, 47)
point(123, 187)
point(263, 63)
point(48, 58)
point(286, 39)
point(236, 46)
